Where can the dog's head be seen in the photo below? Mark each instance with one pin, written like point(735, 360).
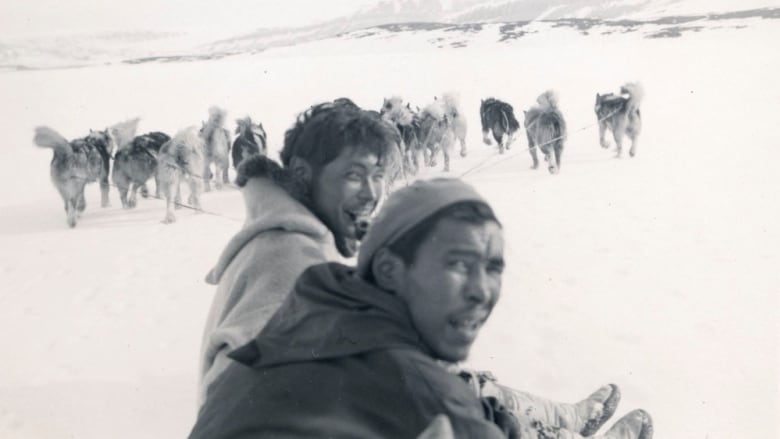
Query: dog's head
point(600, 99)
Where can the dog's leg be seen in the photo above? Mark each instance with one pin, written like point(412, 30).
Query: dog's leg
point(552, 163)
point(446, 160)
point(502, 145)
point(207, 177)
point(70, 209)
point(104, 187)
point(218, 176)
point(558, 151)
point(81, 201)
point(432, 156)
point(122, 188)
point(225, 176)
point(170, 217)
point(634, 140)
point(132, 201)
point(617, 134)
point(177, 198)
point(172, 200)
point(485, 137)
point(463, 150)
point(416, 160)
point(602, 132)
point(166, 178)
point(156, 186)
point(532, 150)
point(195, 190)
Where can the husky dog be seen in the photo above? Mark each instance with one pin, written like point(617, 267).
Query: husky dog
point(407, 122)
point(458, 125)
point(498, 117)
point(75, 164)
point(217, 141)
point(436, 133)
point(546, 129)
point(621, 115)
point(134, 164)
point(251, 140)
point(180, 157)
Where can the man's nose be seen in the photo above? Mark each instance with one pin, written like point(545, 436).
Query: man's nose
point(478, 288)
point(370, 190)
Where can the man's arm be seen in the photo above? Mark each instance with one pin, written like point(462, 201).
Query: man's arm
point(249, 293)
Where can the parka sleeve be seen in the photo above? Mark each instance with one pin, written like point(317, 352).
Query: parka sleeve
point(250, 291)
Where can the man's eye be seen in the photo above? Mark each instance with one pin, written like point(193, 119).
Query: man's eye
point(496, 267)
point(458, 265)
point(353, 176)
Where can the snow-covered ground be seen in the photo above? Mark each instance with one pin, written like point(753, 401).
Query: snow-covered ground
point(658, 273)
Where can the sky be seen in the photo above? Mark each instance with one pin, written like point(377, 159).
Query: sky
point(24, 18)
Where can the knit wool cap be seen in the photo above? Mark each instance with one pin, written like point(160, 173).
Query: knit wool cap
point(408, 207)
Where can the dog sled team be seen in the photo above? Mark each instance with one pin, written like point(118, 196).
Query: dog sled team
point(298, 345)
point(188, 157)
point(198, 156)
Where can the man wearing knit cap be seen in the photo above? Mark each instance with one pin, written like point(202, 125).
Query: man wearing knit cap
point(359, 352)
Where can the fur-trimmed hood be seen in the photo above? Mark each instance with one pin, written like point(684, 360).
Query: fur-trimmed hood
point(270, 205)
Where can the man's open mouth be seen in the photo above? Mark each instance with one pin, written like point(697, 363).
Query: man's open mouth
point(361, 220)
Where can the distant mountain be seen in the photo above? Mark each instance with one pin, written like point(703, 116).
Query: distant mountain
point(385, 16)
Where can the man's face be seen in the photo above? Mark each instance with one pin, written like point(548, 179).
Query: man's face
point(453, 284)
point(346, 191)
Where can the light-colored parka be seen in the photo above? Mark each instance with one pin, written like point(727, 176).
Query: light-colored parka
point(258, 268)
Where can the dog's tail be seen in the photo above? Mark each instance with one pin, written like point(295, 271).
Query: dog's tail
point(46, 137)
point(124, 132)
point(635, 93)
point(548, 99)
point(451, 103)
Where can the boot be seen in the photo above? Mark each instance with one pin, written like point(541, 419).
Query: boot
point(636, 424)
point(584, 417)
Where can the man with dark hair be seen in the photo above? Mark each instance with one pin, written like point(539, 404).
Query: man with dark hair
point(313, 210)
point(359, 353)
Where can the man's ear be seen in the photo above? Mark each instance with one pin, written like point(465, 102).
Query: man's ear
point(388, 269)
point(301, 168)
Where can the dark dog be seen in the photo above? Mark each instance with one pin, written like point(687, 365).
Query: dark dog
point(75, 164)
point(134, 164)
point(180, 158)
point(546, 129)
point(498, 117)
point(251, 140)
point(621, 115)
